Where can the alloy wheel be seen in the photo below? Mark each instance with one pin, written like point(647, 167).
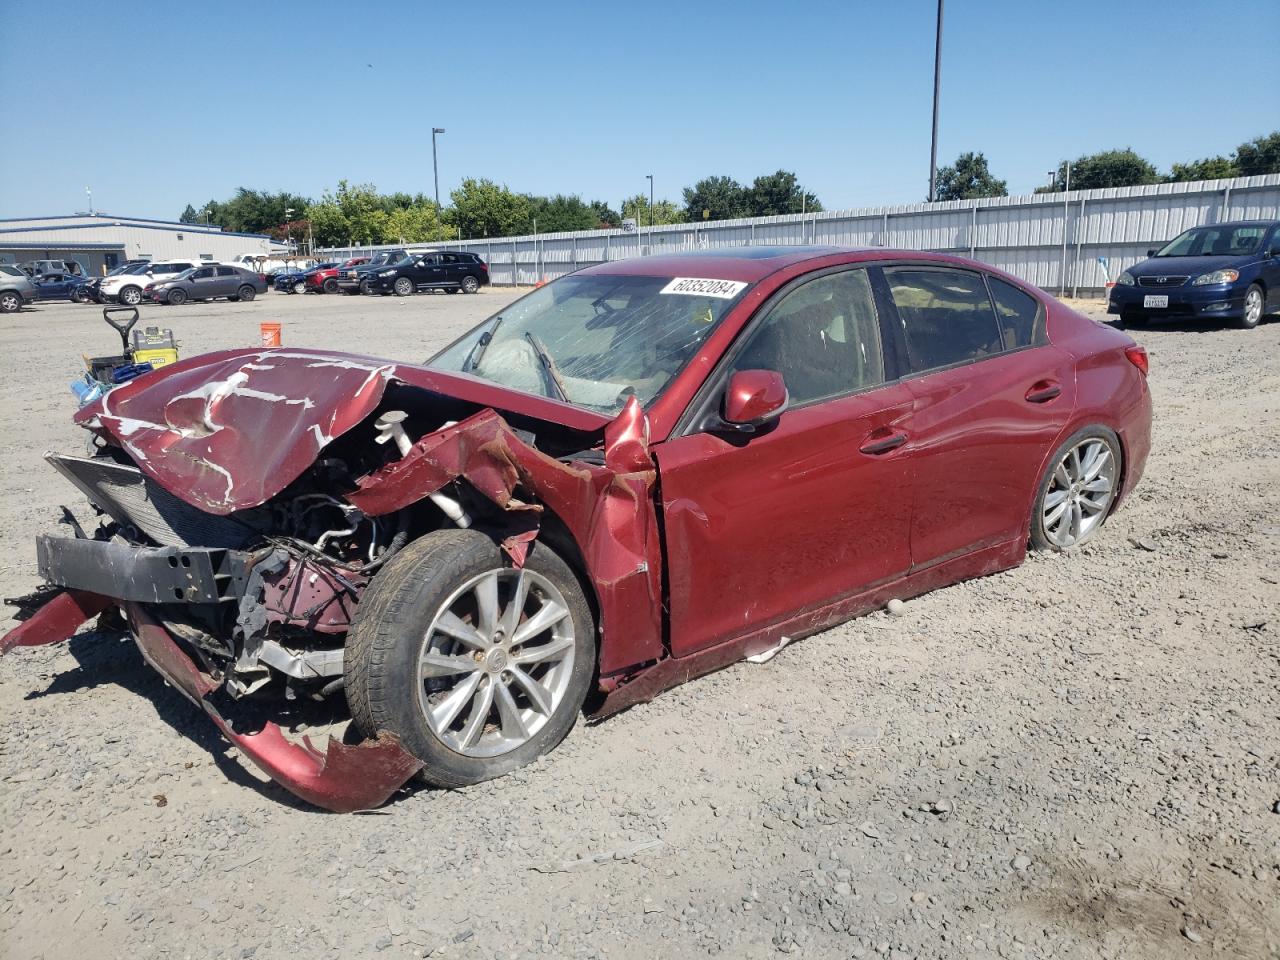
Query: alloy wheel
point(496, 661)
point(1252, 307)
point(1080, 493)
point(10, 303)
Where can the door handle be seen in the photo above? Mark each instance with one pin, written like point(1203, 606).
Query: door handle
point(882, 442)
point(1044, 391)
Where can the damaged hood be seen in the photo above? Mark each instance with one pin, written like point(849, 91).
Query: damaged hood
point(227, 431)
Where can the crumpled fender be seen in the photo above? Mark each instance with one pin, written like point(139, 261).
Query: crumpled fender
point(56, 621)
point(608, 510)
point(342, 778)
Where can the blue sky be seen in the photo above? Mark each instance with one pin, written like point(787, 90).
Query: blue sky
point(157, 110)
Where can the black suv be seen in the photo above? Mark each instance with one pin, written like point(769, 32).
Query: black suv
point(451, 270)
point(356, 279)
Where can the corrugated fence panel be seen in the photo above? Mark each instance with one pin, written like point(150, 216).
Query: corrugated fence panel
point(1023, 235)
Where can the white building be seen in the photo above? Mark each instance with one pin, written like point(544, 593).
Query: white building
point(100, 241)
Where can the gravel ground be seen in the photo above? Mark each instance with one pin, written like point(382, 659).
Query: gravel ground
point(1077, 758)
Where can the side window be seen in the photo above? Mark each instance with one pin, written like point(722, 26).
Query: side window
point(946, 316)
point(1018, 313)
point(202, 274)
point(449, 257)
point(823, 337)
point(226, 271)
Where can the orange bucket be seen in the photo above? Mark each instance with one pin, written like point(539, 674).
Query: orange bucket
point(270, 334)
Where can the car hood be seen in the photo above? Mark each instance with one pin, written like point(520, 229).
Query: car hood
point(1179, 266)
point(228, 431)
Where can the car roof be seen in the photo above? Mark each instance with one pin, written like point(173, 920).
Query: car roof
point(1237, 223)
point(753, 263)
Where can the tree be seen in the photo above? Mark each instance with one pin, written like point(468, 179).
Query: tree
point(605, 215)
point(1110, 168)
point(1260, 155)
point(1210, 168)
point(968, 179)
point(189, 215)
point(417, 223)
point(482, 208)
point(561, 213)
point(779, 193)
point(662, 212)
point(716, 198)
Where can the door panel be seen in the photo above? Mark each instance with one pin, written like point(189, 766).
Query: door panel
point(761, 528)
point(980, 436)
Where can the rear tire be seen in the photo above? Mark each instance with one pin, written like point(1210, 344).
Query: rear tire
point(470, 284)
point(1077, 492)
point(1255, 304)
point(402, 671)
point(246, 293)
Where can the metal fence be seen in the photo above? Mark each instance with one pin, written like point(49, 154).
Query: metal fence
point(1063, 242)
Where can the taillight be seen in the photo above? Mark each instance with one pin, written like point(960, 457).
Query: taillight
point(1138, 357)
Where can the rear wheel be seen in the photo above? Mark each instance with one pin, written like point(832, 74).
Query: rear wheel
point(478, 667)
point(1254, 302)
point(1078, 491)
point(331, 285)
point(246, 292)
point(470, 284)
point(403, 286)
point(177, 296)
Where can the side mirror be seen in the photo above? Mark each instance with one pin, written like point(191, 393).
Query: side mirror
point(1275, 251)
point(753, 399)
point(1152, 252)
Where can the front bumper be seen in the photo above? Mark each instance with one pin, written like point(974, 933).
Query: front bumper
point(1185, 302)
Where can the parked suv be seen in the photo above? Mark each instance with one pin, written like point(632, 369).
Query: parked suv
point(16, 289)
point(127, 287)
point(207, 282)
point(38, 268)
point(357, 279)
point(439, 270)
point(1217, 272)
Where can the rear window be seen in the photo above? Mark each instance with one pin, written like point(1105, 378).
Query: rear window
point(946, 317)
point(1018, 312)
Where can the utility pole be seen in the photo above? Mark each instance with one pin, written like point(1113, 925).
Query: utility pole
point(435, 170)
point(649, 177)
point(937, 80)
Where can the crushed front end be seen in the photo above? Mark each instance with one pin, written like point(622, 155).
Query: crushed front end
point(242, 502)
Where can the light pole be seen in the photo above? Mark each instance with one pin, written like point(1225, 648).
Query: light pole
point(205, 213)
point(288, 220)
point(649, 177)
point(937, 80)
point(435, 170)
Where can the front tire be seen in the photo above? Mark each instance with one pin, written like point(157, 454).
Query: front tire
point(331, 285)
point(10, 302)
point(478, 668)
point(366, 288)
point(299, 287)
point(1255, 302)
point(1078, 490)
point(131, 296)
point(176, 297)
point(403, 286)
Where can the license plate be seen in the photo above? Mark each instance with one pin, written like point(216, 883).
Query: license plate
point(1154, 302)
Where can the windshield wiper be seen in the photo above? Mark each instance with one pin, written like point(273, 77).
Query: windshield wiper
point(553, 371)
point(486, 338)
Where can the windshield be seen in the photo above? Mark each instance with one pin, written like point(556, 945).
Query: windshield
point(1220, 241)
point(594, 340)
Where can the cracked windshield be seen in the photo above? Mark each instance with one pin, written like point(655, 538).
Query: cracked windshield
point(595, 341)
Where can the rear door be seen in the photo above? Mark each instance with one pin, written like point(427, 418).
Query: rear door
point(761, 528)
point(1271, 268)
point(990, 397)
point(453, 268)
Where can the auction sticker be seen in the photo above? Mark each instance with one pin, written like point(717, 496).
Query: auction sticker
point(695, 287)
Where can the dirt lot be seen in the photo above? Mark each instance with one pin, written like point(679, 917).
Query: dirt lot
point(1077, 758)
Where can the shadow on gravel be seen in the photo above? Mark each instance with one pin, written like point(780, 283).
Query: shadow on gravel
point(1188, 326)
point(109, 657)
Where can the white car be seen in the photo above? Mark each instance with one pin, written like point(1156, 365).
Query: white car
point(127, 287)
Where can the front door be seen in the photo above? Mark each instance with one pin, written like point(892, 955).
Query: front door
point(816, 506)
point(429, 271)
point(991, 396)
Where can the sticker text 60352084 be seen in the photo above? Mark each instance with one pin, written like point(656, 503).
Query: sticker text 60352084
point(695, 287)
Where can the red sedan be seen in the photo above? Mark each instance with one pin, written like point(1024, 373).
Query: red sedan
point(632, 476)
point(326, 280)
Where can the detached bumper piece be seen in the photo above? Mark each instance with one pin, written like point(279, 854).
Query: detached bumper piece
point(142, 574)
